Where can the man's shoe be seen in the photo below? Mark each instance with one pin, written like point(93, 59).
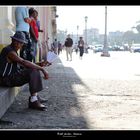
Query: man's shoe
point(36, 105)
point(41, 100)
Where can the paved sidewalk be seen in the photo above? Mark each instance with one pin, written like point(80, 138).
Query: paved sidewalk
point(63, 110)
point(94, 93)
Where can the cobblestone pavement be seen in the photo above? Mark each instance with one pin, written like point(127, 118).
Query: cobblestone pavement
point(95, 93)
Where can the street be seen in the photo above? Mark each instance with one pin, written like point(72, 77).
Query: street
point(95, 93)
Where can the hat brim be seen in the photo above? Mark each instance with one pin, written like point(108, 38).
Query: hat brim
point(17, 39)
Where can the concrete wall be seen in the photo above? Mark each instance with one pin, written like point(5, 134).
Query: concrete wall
point(7, 96)
point(6, 25)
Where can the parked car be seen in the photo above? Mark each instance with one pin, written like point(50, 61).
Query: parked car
point(98, 48)
point(91, 47)
point(135, 48)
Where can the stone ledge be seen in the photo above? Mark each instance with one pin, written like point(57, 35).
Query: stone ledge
point(7, 96)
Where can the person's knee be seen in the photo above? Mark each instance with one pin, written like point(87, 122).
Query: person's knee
point(34, 71)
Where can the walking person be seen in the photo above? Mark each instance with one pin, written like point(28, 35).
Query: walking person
point(22, 24)
point(81, 47)
point(68, 44)
point(11, 75)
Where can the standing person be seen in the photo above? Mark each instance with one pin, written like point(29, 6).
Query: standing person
point(33, 32)
point(11, 75)
point(22, 24)
point(59, 47)
point(68, 44)
point(38, 43)
point(81, 46)
point(55, 46)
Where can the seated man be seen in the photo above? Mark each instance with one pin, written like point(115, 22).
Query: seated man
point(11, 75)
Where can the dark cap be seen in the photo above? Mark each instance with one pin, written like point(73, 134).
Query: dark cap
point(19, 36)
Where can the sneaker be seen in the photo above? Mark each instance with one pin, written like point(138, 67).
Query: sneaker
point(36, 105)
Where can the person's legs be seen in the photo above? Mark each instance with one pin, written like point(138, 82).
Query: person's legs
point(17, 79)
point(32, 77)
point(70, 52)
point(81, 52)
point(67, 51)
point(33, 50)
point(28, 47)
point(36, 52)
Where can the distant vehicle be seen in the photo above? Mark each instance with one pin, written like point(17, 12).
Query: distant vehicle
point(135, 48)
point(98, 48)
point(91, 47)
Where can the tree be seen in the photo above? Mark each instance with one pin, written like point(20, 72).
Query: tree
point(128, 37)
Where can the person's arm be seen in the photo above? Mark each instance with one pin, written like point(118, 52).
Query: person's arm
point(39, 30)
point(27, 20)
point(25, 15)
point(15, 58)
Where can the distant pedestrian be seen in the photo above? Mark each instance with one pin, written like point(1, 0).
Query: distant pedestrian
point(76, 47)
point(55, 46)
point(68, 44)
point(22, 24)
point(81, 47)
point(59, 47)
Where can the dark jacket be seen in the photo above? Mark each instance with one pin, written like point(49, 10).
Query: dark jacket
point(68, 42)
point(80, 43)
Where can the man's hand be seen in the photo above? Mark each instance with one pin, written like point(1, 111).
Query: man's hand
point(46, 76)
point(44, 63)
point(27, 20)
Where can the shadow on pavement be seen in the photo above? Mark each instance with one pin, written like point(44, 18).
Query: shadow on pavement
point(64, 110)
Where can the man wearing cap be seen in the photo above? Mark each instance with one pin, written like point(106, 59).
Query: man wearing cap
point(11, 75)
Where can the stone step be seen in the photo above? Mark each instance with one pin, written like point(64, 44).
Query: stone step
point(7, 96)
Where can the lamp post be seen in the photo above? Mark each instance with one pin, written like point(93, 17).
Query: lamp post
point(105, 48)
point(86, 32)
point(66, 32)
point(77, 32)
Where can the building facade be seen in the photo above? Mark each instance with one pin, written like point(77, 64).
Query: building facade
point(47, 17)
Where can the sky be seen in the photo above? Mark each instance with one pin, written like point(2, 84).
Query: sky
point(120, 18)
